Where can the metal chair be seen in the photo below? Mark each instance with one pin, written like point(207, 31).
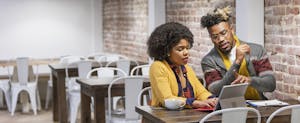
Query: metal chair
point(84, 66)
point(233, 115)
point(5, 88)
point(295, 116)
point(63, 60)
point(23, 84)
point(143, 68)
point(146, 98)
point(133, 85)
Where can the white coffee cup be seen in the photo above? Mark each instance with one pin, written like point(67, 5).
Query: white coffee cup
point(174, 104)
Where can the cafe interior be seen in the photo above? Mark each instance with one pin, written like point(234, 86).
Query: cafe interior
point(78, 50)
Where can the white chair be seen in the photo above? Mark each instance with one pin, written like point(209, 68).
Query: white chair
point(73, 91)
point(143, 68)
point(133, 85)
point(63, 60)
point(104, 59)
point(233, 115)
point(24, 85)
point(295, 115)
point(146, 98)
point(5, 88)
point(106, 74)
point(122, 63)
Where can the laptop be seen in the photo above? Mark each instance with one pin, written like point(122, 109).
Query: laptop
point(230, 96)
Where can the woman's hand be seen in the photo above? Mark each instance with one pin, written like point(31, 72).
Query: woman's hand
point(212, 102)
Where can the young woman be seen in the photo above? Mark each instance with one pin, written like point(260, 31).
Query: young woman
point(170, 76)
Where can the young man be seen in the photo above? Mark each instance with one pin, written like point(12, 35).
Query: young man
point(232, 61)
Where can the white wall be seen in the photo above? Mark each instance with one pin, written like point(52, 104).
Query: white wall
point(49, 28)
point(157, 14)
point(250, 20)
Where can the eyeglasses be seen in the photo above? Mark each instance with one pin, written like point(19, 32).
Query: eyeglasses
point(217, 36)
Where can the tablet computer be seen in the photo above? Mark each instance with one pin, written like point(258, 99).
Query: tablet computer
point(230, 96)
point(233, 96)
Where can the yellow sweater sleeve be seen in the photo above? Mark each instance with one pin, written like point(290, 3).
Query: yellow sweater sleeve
point(164, 84)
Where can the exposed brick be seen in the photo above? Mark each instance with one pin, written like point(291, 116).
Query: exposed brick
point(284, 2)
point(275, 58)
point(290, 60)
point(272, 2)
point(297, 89)
point(280, 67)
point(294, 10)
point(294, 70)
point(279, 10)
point(279, 86)
point(278, 76)
point(285, 41)
point(289, 79)
point(293, 51)
point(296, 2)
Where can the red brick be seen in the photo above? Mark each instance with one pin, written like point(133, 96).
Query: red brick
point(286, 41)
point(289, 79)
point(297, 89)
point(294, 10)
point(275, 58)
point(286, 88)
point(279, 86)
point(293, 51)
point(296, 2)
point(279, 10)
point(286, 2)
point(272, 2)
point(278, 76)
point(289, 59)
point(280, 67)
point(294, 70)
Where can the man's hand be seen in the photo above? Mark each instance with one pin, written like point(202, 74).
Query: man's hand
point(240, 79)
point(241, 51)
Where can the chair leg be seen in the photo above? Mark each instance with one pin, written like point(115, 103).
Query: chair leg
point(33, 100)
point(48, 97)
point(38, 100)
point(14, 101)
point(1, 99)
point(8, 100)
point(74, 101)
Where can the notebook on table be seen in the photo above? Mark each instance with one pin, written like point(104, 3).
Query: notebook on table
point(230, 96)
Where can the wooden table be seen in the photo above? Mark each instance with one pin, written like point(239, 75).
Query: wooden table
point(161, 115)
point(60, 112)
point(97, 89)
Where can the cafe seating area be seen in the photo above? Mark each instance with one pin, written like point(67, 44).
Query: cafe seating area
point(89, 61)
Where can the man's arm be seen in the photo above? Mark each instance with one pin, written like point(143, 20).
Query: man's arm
point(213, 77)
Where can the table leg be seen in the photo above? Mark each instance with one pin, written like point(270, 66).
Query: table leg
point(54, 95)
point(61, 96)
point(99, 109)
point(85, 108)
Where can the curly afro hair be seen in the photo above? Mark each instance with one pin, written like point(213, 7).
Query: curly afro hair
point(217, 16)
point(165, 37)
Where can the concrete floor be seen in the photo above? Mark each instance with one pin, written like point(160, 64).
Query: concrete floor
point(43, 116)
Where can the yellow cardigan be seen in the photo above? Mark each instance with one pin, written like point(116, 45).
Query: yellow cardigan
point(164, 84)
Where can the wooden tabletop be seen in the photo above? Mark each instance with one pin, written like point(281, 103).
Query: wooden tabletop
point(162, 115)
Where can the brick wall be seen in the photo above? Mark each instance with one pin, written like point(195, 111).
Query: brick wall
point(125, 26)
point(282, 22)
point(125, 32)
point(189, 13)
